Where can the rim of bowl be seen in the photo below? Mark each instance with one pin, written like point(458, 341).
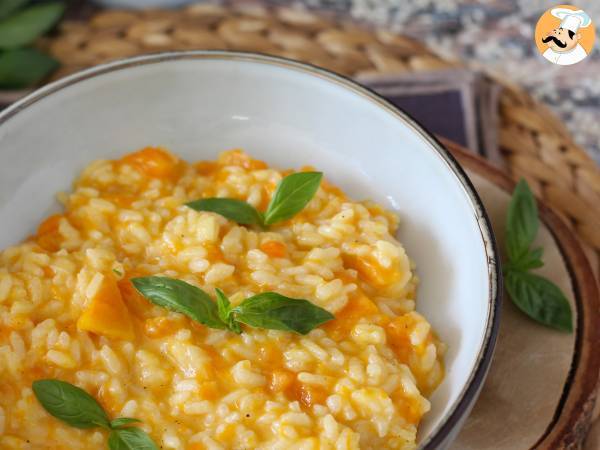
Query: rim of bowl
point(470, 390)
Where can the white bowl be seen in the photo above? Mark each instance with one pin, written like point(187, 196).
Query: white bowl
point(289, 114)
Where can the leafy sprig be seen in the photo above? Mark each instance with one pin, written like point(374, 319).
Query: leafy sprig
point(20, 26)
point(291, 196)
point(267, 310)
point(79, 409)
point(536, 296)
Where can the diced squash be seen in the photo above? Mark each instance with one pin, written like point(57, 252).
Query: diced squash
point(407, 407)
point(370, 271)
point(273, 249)
point(240, 158)
point(48, 236)
point(106, 313)
point(50, 224)
point(310, 395)
point(208, 390)
point(269, 355)
point(358, 306)
point(121, 200)
point(281, 380)
point(133, 300)
point(109, 400)
point(213, 253)
point(154, 162)
point(398, 336)
point(267, 192)
point(206, 168)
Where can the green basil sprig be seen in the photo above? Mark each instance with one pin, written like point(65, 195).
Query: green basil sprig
point(23, 27)
point(24, 67)
point(77, 408)
point(131, 438)
point(267, 310)
point(181, 297)
point(536, 296)
point(7, 7)
point(237, 210)
point(291, 196)
point(273, 311)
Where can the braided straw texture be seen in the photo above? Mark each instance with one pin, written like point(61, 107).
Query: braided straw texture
point(536, 145)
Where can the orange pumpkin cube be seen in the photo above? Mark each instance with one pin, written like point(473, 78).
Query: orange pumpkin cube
point(106, 313)
point(358, 306)
point(134, 301)
point(206, 168)
point(239, 158)
point(154, 162)
point(370, 271)
point(281, 380)
point(47, 235)
point(398, 334)
point(273, 249)
point(310, 395)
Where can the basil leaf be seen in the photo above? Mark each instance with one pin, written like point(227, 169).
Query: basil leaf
point(522, 222)
point(132, 438)
point(540, 299)
point(224, 307)
point(530, 260)
point(181, 297)
point(276, 312)
point(24, 67)
point(231, 208)
point(25, 26)
point(7, 7)
point(292, 194)
point(123, 421)
point(70, 404)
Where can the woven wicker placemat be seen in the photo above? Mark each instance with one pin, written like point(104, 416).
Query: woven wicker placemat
point(533, 141)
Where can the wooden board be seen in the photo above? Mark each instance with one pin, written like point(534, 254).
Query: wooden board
point(565, 425)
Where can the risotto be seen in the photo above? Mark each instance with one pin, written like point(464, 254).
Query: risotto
point(69, 311)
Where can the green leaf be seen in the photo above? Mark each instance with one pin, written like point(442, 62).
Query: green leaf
point(540, 299)
point(24, 67)
point(231, 208)
point(70, 404)
point(276, 312)
point(131, 438)
point(530, 260)
point(225, 311)
point(181, 297)
point(223, 305)
point(7, 7)
point(25, 26)
point(123, 421)
point(522, 222)
point(292, 194)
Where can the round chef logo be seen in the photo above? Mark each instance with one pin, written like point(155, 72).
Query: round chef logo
point(565, 35)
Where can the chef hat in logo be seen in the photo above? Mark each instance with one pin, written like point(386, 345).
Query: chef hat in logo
point(572, 20)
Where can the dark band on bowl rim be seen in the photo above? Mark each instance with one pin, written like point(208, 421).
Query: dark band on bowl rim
point(462, 405)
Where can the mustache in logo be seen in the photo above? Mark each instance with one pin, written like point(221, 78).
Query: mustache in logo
point(555, 40)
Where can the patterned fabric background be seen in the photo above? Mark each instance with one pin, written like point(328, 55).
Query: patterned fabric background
point(496, 34)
